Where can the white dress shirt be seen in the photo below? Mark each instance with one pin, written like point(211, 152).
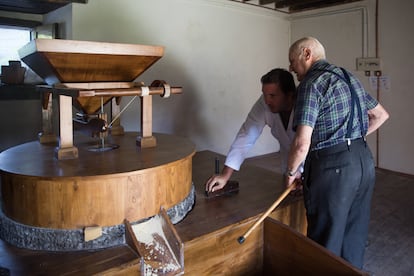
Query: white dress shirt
point(258, 117)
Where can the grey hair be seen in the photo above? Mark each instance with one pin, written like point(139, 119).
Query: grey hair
point(318, 51)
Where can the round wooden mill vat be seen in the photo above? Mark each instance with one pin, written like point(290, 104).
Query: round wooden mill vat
point(47, 203)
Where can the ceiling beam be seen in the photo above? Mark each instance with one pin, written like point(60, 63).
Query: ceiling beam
point(35, 6)
point(300, 5)
point(19, 22)
point(265, 2)
point(63, 1)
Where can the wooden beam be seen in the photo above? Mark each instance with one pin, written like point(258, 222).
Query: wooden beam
point(62, 1)
point(146, 140)
point(290, 3)
point(299, 5)
point(66, 150)
point(19, 22)
point(265, 2)
point(36, 6)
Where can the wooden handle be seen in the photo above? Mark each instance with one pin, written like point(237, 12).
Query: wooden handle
point(271, 208)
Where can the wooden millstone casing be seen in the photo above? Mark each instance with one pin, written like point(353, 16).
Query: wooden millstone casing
point(71, 63)
point(99, 188)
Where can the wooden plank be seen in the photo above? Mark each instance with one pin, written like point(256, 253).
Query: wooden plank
point(146, 116)
point(128, 269)
point(177, 246)
point(301, 5)
point(7, 21)
point(65, 126)
point(265, 2)
point(130, 239)
point(293, 215)
point(29, 262)
point(287, 252)
point(219, 253)
point(90, 47)
point(66, 148)
point(114, 92)
point(95, 85)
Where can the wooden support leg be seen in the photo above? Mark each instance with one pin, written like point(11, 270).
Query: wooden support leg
point(66, 150)
point(117, 128)
point(47, 135)
point(146, 140)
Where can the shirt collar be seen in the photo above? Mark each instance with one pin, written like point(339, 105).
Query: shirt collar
point(318, 64)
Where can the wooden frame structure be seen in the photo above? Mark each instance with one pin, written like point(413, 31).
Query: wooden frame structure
point(89, 74)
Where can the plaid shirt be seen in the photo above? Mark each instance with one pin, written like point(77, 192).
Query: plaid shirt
point(323, 103)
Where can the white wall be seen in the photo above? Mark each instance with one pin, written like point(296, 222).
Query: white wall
point(62, 16)
point(348, 32)
point(217, 50)
point(396, 40)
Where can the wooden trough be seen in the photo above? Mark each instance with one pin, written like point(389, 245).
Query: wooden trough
point(287, 252)
point(274, 249)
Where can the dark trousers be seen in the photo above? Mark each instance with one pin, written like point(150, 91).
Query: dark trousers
point(338, 186)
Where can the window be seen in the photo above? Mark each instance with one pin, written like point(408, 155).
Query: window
point(11, 40)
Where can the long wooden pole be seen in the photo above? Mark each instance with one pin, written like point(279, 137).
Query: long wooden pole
point(241, 239)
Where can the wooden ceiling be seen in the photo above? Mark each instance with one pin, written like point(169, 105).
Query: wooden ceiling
point(292, 6)
point(35, 6)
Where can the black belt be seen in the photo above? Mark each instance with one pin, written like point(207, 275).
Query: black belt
point(347, 145)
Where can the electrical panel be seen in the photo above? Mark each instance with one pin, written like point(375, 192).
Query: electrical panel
point(368, 64)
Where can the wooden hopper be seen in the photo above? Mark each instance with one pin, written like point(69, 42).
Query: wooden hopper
point(89, 65)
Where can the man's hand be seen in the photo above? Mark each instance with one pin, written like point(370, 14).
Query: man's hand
point(216, 182)
point(295, 180)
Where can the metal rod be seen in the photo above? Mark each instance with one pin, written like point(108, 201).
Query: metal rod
point(120, 112)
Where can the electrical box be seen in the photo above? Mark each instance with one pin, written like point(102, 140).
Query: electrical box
point(368, 64)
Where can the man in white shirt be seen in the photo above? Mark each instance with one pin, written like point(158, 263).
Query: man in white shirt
point(274, 109)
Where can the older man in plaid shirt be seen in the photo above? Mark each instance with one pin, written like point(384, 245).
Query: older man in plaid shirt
point(332, 117)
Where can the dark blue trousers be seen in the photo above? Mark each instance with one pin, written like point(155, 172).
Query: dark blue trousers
point(338, 186)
